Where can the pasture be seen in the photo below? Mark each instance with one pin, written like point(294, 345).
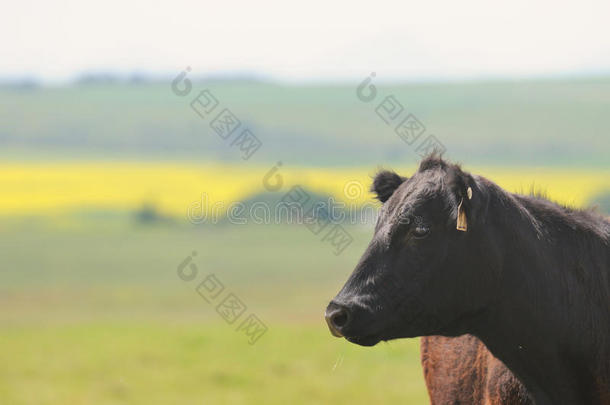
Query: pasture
point(548, 122)
point(99, 315)
point(92, 309)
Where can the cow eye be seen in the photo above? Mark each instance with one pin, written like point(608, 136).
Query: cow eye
point(420, 231)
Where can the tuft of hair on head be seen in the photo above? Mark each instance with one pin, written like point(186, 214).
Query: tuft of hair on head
point(456, 179)
point(385, 183)
point(433, 160)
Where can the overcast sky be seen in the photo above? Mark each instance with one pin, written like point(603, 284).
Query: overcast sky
point(311, 40)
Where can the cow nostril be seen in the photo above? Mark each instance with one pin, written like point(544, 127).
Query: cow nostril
point(339, 318)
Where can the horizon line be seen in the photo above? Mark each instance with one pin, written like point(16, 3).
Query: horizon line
point(110, 77)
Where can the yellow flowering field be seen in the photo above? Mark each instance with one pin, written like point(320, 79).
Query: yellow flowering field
point(56, 188)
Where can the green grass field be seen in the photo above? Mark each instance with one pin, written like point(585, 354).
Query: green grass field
point(200, 363)
point(97, 315)
point(546, 122)
point(92, 310)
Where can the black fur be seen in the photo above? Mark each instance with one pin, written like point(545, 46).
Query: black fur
point(529, 277)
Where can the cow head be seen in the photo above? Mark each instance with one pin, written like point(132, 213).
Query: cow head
point(428, 269)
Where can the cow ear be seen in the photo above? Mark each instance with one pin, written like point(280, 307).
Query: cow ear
point(468, 198)
point(385, 183)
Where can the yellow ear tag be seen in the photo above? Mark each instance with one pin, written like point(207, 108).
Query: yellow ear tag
point(462, 223)
point(469, 192)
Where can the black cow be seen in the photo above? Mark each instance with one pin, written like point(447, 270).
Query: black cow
point(454, 254)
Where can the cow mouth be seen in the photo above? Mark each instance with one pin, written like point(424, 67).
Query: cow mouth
point(370, 340)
